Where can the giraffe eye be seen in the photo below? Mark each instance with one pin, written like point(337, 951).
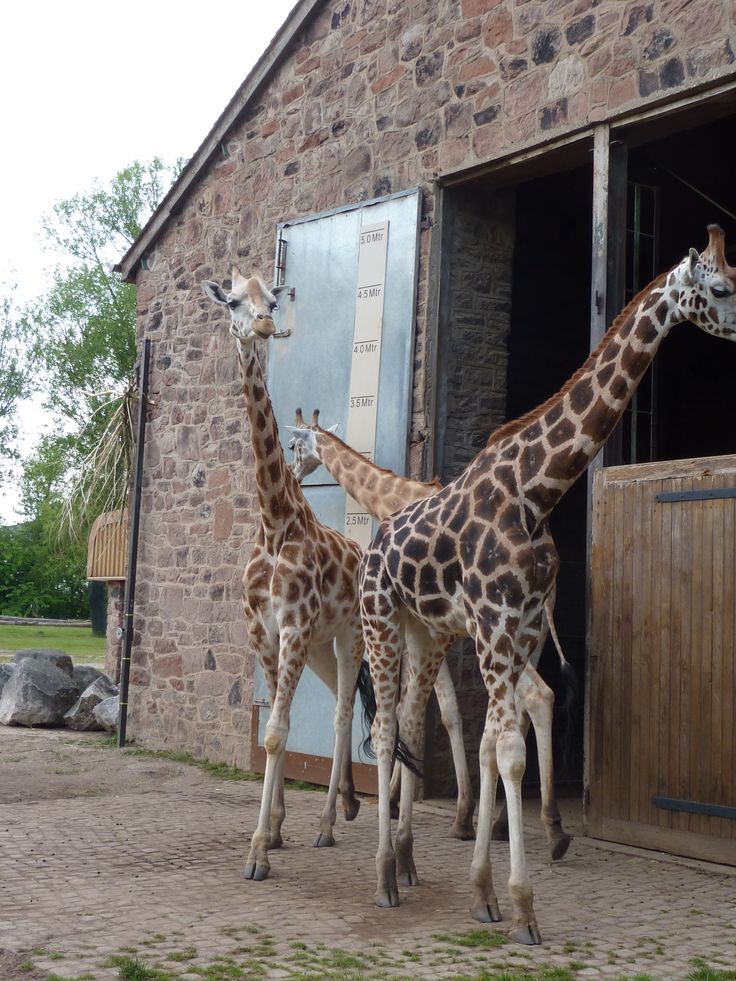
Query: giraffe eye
point(720, 292)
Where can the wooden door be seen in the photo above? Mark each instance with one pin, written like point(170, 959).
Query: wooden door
point(661, 767)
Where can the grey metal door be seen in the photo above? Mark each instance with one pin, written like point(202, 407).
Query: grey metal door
point(318, 259)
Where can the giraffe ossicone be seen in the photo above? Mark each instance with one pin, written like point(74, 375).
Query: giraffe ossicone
point(476, 557)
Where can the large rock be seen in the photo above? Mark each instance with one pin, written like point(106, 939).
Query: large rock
point(85, 674)
point(6, 671)
point(81, 714)
point(51, 655)
point(106, 713)
point(37, 694)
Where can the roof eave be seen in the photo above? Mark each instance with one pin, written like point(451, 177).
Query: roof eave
point(173, 200)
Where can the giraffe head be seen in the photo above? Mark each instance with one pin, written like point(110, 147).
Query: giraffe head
point(707, 287)
point(303, 444)
point(250, 302)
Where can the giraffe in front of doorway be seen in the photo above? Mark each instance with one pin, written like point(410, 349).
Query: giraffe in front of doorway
point(299, 588)
point(382, 492)
point(475, 558)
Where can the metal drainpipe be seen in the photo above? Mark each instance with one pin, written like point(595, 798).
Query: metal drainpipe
point(129, 602)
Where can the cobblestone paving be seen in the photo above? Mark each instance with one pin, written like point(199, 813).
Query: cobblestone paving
point(156, 874)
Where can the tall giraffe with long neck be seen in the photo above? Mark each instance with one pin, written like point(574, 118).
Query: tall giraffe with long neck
point(299, 587)
point(382, 492)
point(474, 559)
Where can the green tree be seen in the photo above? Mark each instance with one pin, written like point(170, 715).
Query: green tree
point(39, 575)
point(85, 335)
point(84, 351)
point(15, 382)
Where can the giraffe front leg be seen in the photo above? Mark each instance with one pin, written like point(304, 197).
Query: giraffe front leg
point(511, 755)
point(257, 866)
point(500, 831)
point(278, 807)
point(291, 661)
point(484, 904)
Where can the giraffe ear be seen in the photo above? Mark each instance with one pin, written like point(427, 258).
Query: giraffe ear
point(214, 291)
point(691, 268)
point(298, 432)
point(333, 429)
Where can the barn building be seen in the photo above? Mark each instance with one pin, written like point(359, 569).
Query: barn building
point(531, 164)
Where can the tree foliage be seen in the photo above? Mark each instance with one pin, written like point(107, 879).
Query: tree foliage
point(83, 347)
point(15, 380)
point(39, 575)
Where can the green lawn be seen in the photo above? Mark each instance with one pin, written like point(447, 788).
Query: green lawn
point(78, 642)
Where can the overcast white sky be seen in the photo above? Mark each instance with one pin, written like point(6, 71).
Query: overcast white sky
point(88, 87)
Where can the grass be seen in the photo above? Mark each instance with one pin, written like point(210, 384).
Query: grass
point(77, 642)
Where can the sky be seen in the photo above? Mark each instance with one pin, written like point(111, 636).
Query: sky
point(88, 87)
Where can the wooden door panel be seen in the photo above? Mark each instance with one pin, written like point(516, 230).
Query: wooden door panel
point(662, 652)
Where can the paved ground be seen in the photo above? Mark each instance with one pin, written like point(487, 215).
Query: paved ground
point(106, 854)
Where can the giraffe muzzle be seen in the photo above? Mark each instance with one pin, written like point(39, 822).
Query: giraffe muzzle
point(264, 326)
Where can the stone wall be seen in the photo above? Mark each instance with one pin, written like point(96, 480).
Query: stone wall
point(374, 97)
point(474, 323)
point(115, 622)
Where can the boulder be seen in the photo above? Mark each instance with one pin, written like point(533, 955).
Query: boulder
point(106, 713)
point(5, 672)
point(85, 674)
point(37, 694)
point(81, 714)
point(58, 658)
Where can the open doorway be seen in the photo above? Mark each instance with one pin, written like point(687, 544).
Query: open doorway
point(514, 324)
point(686, 189)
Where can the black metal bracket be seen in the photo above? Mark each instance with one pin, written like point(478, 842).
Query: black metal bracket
point(695, 807)
point(716, 494)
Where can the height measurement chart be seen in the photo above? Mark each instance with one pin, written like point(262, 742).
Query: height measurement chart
point(366, 363)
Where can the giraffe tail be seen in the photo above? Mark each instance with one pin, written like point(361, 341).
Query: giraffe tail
point(364, 687)
point(568, 705)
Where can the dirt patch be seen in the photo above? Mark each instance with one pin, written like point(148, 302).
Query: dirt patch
point(55, 764)
point(18, 966)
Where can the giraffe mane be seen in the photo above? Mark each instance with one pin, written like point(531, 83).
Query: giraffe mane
point(515, 426)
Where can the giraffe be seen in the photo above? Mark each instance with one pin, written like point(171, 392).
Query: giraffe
point(299, 588)
point(473, 559)
point(381, 492)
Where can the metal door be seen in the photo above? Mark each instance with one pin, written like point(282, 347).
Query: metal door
point(317, 261)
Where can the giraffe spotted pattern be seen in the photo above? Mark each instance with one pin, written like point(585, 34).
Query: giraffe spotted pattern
point(476, 558)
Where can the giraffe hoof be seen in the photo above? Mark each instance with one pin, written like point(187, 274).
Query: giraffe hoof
point(325, 839)
point(528, 935)
point(351, 808)
point(558, 848)
point(487, 913)
point(257, 872)
point(387, 900)
point(463, 832)
point(408, 877)
point(276, 841)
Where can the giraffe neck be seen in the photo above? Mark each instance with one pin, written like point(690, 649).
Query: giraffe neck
point(551, 446)
point(278, 491)
point(379, 491)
